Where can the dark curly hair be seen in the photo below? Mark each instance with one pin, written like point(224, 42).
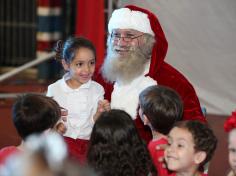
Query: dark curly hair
point(116, 148)
point(162, 106)
point(204, 138)
point(67, 50)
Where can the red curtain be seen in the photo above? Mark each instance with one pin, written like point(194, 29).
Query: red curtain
point(90, 24)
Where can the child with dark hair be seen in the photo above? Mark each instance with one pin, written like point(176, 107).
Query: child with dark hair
point(160, 108)
point(191, 144)
point(116, 148)
point(78, 93)
point(31, 113)
point(230, 128)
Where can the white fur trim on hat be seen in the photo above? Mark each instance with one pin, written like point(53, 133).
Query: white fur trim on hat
point(125, 18)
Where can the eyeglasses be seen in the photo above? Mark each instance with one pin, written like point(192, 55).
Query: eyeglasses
point(117, 37)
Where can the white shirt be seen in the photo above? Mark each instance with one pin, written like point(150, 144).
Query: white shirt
point(125, 96)
point(81, 104)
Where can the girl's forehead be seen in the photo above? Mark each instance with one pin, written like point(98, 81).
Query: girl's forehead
point(84, 52)
point(83, 49)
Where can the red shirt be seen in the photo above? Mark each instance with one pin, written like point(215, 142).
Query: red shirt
point(155, 154)
point(6, 152)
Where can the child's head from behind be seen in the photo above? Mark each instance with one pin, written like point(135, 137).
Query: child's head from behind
point(160, 107)
point(230, 127)
point(114, 127)
point(78, 57)
point(116, 147)
point(191, 144)
point(34, 113)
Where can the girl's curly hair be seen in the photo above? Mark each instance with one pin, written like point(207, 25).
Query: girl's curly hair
point(116, 148)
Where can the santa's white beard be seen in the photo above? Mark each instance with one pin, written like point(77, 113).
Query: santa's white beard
point(123, 67)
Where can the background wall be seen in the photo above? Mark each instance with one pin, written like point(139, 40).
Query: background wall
point(202, 45)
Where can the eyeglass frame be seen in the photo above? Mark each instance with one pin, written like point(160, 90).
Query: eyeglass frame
point(118, 38)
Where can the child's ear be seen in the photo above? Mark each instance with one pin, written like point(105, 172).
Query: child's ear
point(64, 64)
point(199, 157)
point(145, 120)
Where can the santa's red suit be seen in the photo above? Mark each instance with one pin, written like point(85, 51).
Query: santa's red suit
point(163, 74)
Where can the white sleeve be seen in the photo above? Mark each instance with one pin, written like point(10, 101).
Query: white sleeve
point(98, 97)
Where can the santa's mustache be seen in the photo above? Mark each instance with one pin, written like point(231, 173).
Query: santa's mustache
point(123, 48)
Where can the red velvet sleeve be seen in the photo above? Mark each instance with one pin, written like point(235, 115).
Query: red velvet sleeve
point(170, 77)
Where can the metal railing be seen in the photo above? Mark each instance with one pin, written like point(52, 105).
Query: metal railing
point(22, 68)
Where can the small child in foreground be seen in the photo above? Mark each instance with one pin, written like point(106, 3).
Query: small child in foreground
point(191, 144)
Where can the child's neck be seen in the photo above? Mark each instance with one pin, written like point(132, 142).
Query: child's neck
point(156, 135)
point(73, 84)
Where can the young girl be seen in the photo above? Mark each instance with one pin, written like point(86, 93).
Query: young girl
point(230, 127)
point(76, 92)
point(116, 149)
point(191, 145)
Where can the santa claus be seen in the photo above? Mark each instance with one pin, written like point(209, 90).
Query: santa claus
point(135, 60)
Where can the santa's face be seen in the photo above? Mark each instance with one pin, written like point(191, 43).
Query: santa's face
point(125, 40)
point(127, 54)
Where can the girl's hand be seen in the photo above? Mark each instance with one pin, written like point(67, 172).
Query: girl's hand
point(103, 105)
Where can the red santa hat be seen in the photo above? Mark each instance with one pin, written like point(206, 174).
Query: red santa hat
point(133, 17)
point(125, 18)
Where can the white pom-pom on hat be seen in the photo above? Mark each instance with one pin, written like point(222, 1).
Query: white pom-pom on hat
point(52, 144)
point(125, 18)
